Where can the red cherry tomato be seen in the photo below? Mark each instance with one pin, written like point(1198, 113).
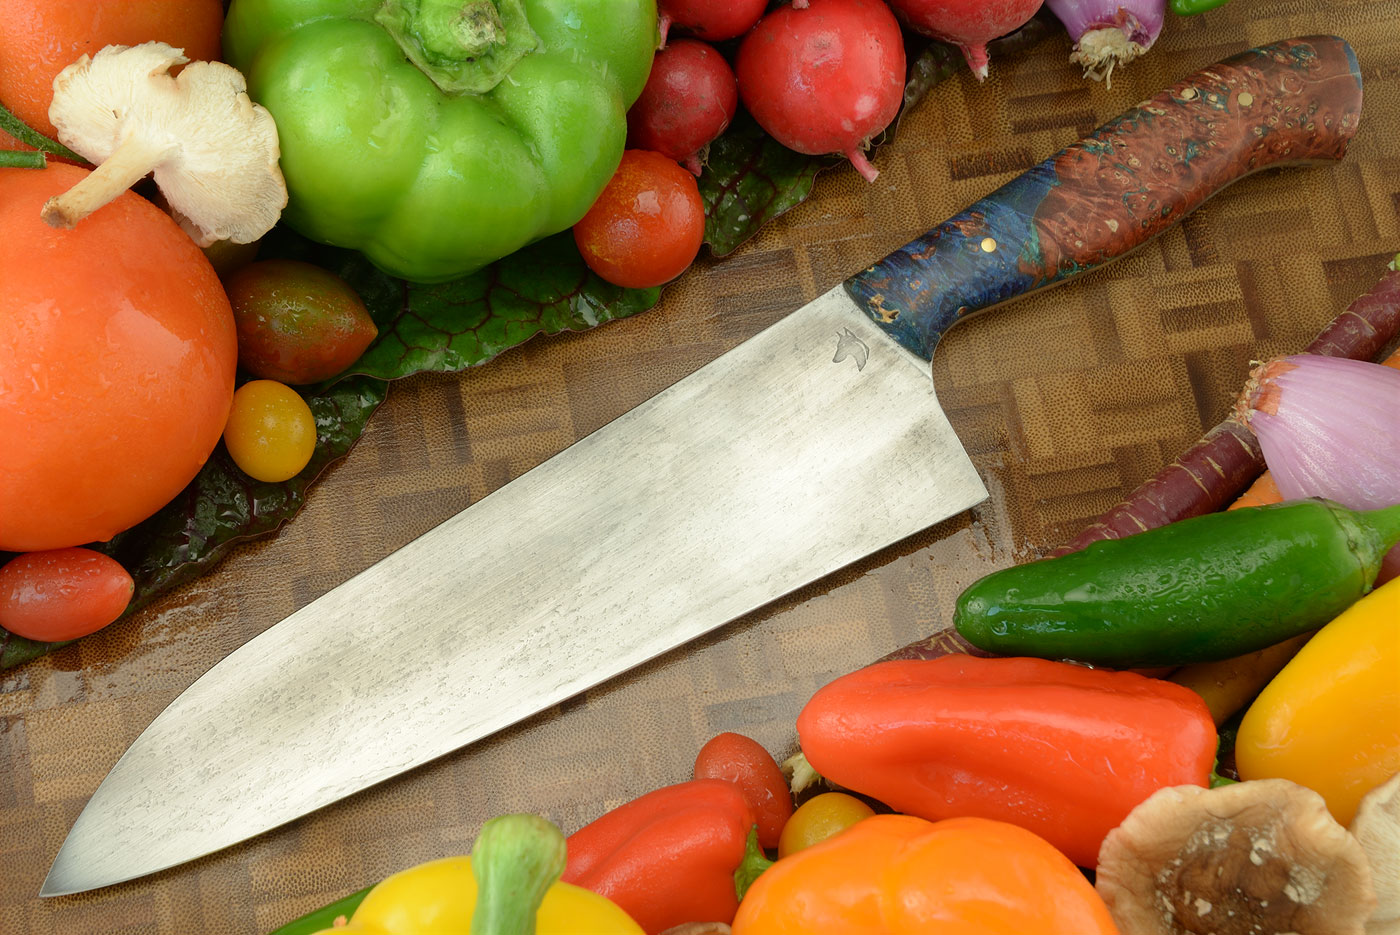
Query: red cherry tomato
point(646, 227)
point(62, 594)
point(744, 761)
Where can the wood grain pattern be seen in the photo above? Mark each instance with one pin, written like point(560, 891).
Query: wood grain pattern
point(1064, 407)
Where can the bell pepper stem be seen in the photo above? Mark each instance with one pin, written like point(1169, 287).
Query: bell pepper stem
point(800, 773)
point(464, 46)
point(515, 860)
point(19, 159)
point(752, 866)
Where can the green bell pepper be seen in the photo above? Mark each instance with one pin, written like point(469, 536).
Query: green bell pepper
point(437, 136)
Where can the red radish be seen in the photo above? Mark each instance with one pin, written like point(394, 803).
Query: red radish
point(713, 20)
point(688, 100)
point(826, 78)
point(968, 24)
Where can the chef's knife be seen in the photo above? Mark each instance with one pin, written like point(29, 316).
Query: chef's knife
point(813, 444)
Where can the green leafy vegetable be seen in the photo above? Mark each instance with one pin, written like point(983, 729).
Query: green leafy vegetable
point(220, 508)
point(542, 289)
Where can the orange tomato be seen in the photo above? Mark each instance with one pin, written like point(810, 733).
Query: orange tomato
point(39, 38)
point(117, 355)
point(62, 594)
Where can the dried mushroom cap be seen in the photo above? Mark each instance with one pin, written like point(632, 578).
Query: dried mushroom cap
point(1377, 827)
point(1263, 857)
point(213, 151)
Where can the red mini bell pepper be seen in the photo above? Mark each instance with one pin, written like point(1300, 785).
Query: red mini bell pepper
point(1059, 749)
point(668, 857)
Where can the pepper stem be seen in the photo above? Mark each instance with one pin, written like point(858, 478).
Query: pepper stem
point(1386, 523)
point(132, 161)
point(752, 866)
point(464, 46)
point(515, 860)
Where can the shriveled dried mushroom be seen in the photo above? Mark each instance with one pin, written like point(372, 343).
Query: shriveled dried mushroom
point(213, 151)
point(1377, 827)
point(1252, 858)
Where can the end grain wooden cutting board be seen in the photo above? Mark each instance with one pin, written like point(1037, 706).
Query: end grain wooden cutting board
point(1064, 404)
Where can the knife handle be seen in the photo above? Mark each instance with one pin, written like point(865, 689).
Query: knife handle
point(1289, 103)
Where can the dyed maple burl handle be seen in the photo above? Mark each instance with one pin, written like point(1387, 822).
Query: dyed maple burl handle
point(1292, 102)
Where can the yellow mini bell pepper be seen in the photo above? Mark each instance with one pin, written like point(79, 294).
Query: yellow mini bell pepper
point(509, 886)
point(1331, 719)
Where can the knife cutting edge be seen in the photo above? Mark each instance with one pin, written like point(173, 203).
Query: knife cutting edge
point(806, 448)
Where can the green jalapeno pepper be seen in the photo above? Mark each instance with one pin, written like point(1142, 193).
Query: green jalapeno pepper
point(1192, 7)
point(1207, 588)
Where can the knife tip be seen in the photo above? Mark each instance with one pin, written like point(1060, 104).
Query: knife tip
point(62, 878)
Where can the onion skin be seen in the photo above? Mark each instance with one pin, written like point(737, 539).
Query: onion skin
point(1329, 427)
point(1109, 33)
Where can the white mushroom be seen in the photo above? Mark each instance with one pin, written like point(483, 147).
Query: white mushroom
point(1263, 857)
point(213, 151)
point(1377, 827)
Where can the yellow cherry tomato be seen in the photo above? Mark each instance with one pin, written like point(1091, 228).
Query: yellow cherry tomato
point(819, 818)
point(271, 433)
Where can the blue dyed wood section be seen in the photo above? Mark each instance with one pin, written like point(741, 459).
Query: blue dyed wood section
point(1294, 101)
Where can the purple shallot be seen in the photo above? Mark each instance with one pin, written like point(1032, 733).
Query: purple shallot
point(1109, 33)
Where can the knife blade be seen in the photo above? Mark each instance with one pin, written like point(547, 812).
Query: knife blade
point(808, 447)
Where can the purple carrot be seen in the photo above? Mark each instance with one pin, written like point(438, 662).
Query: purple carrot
point(1109, 33)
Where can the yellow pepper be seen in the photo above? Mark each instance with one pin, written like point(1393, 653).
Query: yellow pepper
point(509, 886)
point(1331, 719)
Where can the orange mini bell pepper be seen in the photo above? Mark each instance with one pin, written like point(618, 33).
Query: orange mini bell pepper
point(899, 875)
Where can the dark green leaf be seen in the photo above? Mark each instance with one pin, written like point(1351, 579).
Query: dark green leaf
point(749, 179)
point(221, 507)
point(542, 289)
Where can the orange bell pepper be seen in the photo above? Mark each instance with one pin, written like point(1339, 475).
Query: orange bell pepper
point(899, 875)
